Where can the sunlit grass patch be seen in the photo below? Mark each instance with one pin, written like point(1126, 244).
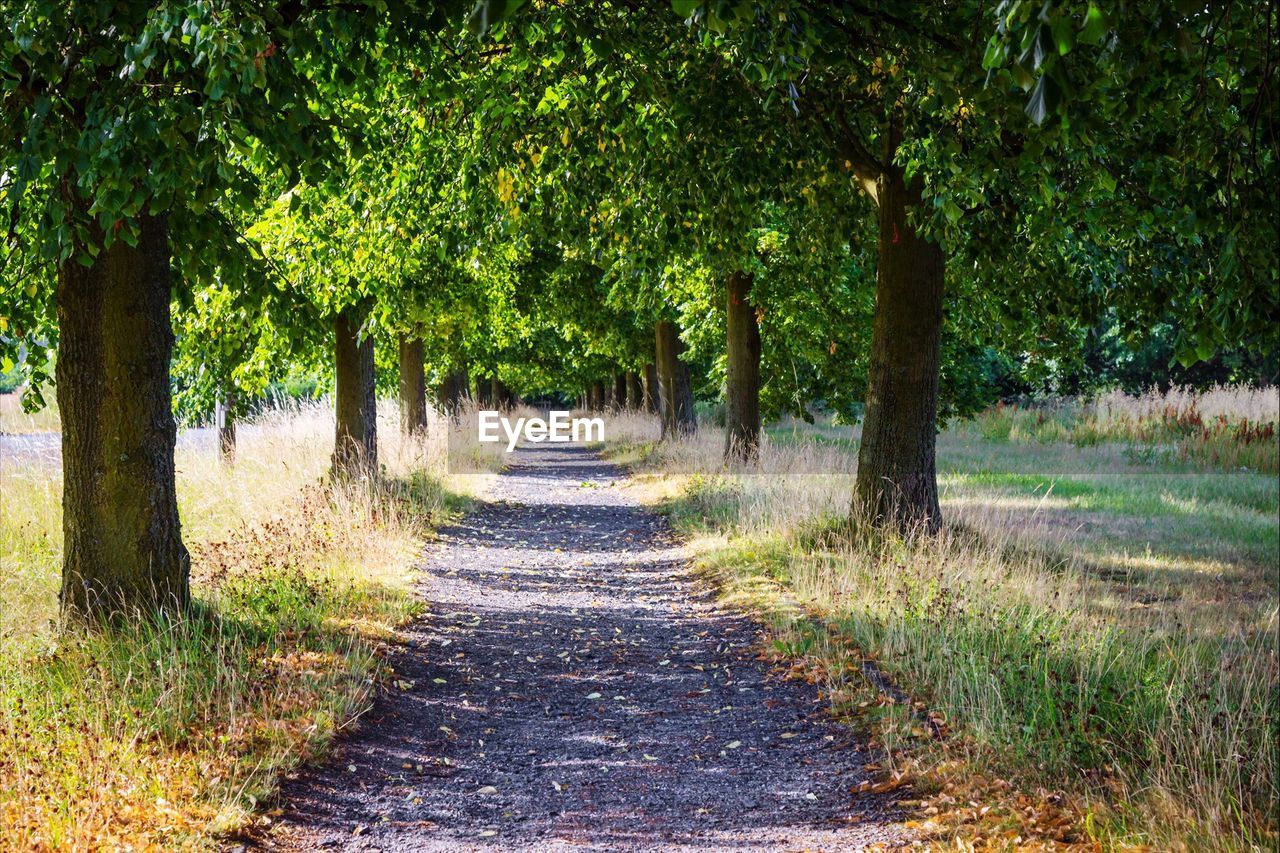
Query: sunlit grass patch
point(164, 731)
point(14, 420)
point(1096, 637)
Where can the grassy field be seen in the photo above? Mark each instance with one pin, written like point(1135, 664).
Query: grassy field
point(1088, 652)
point(14, 421)
point(167, 732)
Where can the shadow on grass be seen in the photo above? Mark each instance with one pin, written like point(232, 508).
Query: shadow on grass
point(1050, 692)
point(205, 708)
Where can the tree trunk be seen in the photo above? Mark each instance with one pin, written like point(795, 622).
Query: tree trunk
point(500, 395)
point(355, 445)
point(224, 414)
point(607, 401)
point(897, 468)
point(673, 378)
point(444, 393)
point(122, 540)
point(597, 396)
point(742, 391)
point(484, 393)
point(619, 391)
point(650, 378)
point(413, 387)
point(635, 393)
point(456, 388)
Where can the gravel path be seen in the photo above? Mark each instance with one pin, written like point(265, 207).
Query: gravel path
point(574, 686)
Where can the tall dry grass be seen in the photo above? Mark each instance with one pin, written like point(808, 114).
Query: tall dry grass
point(165, 731)
point(1225, 427)
point(14, 421)
point(1159, 715)
point(1233, 402)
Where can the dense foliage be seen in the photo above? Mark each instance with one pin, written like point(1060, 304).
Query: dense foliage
point(934, 204)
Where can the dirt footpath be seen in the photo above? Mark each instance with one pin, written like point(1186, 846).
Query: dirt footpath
point(572, 686)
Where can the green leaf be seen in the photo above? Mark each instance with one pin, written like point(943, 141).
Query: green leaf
point(685, 8)
point(1044, 99)
point(1063, 36)
point(1095, 26)
point(1042, 46)
point(1023, 77)
point(486, 13)
point(1204, 349)
point(996, 53)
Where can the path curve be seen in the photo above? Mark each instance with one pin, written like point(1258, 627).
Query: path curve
point(575, 686)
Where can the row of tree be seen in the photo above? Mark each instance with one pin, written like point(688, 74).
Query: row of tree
point(805, 200)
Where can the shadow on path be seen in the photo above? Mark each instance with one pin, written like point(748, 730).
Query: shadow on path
point(573, 685)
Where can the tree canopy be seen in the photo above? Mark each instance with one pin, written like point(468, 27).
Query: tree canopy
point(858, 206)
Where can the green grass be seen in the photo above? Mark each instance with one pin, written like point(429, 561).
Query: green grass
point(1227, 427)
point(1086, 623)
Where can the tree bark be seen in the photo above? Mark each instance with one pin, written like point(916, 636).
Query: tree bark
point(455, 390)
point(413, 387)
point(225, 416)
point(607, 398)
point(619, 391)
point(742, 391)
point(500, 395)
point(597, 396)
point(355, 445)
point(673, 377)
point(445, 393)
point(635, 393)
point(122, 540)
point(650, 378)
point(484, 393)
point(897, 478)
